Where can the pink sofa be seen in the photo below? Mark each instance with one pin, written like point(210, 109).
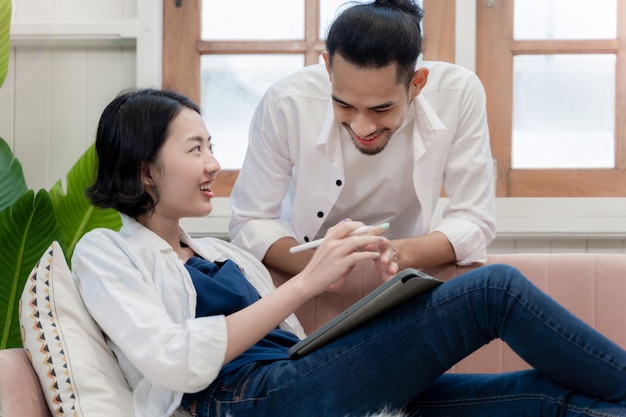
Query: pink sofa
point(593, 286)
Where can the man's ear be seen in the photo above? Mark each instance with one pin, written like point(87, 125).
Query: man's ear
point(326, 57)
point(419, 80)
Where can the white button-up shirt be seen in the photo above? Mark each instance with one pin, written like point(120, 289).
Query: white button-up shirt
point(141, 295)
point(295, 168)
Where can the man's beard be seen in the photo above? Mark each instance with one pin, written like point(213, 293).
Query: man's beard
point(383, 142)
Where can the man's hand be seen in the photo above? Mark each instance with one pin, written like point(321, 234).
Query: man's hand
point(433, 249)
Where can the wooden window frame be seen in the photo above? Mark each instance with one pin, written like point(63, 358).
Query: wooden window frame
point(183, 48)
point(496, 49)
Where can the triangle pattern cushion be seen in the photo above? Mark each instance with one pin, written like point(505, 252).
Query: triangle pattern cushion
point(78, 373)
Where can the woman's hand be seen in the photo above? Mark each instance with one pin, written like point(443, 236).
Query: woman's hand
point(338, 254)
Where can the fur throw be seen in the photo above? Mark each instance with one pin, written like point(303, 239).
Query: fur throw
point(388, 413)
point(383, 413)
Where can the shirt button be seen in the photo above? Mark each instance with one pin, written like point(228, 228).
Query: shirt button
point(320, 214)
point(338, 182)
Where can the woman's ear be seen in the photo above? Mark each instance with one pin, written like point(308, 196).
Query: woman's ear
point(419, 80)
point(146, 176)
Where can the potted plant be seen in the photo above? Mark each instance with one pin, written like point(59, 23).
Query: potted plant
point(30, 221)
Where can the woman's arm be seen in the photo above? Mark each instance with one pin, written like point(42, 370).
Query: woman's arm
point(329, 266)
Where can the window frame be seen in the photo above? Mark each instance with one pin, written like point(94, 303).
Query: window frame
point(183, 48)
point(496, 49)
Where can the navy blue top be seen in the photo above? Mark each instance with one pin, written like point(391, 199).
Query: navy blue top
point(223, 289)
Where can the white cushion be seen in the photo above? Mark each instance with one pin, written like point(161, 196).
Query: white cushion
point(79, 374)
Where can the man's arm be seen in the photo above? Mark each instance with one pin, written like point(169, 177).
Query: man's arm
point(423, 251)
point(468, 220)
point(278, 256)
point(417, 252)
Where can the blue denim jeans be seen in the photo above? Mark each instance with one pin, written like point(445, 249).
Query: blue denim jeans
point(398, 361)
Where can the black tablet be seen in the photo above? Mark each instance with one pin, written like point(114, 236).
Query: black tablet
point(407, 284)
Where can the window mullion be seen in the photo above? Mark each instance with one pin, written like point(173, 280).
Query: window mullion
point(181, 60)
point(311, 31)
point(620, 87)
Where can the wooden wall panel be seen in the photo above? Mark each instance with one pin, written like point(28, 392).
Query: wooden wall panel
point(74, 10)
point(57, 87)
point(58, 96)
point(67, 108)
point(7, 108)
point(32, 114)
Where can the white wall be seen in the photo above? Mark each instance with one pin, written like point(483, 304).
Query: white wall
point(69, 58)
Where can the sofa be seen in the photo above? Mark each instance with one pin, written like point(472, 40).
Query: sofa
point(592, 286)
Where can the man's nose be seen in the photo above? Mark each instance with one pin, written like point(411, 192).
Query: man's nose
point(362, 126)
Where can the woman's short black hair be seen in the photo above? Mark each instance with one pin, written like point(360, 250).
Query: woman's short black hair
point(377, 34)
point(131, 131)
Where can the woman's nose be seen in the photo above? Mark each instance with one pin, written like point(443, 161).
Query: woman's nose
point(211, 164)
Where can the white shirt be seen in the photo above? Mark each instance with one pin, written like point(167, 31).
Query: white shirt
point(141, 295)
point(295, 168)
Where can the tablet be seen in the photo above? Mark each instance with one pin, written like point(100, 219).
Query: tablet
point(407, 284)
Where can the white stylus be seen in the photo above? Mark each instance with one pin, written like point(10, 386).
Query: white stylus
point(316, 243)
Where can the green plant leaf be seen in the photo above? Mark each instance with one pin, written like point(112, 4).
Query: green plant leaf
point(5, 29)
point(75, 213)
point(27, 228)
point(12, 182)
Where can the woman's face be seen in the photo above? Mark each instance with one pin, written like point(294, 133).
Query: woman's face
point(185, 169)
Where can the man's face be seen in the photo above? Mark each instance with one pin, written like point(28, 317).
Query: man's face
point(369, 102)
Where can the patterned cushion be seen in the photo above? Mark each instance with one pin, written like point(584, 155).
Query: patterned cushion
point(78, 373)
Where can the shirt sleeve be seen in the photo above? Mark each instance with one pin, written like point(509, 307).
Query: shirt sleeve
point(183, 355)
point(263, 182)
point(468, 220)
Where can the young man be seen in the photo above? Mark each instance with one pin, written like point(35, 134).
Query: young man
point(371, 135)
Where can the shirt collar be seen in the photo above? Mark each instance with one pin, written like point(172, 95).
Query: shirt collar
point(136, 230)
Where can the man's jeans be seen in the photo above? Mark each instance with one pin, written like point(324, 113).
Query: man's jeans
point(400, 358)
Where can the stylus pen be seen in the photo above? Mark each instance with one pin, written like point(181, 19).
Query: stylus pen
point(316, 243)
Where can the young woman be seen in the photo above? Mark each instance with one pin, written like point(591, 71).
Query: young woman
point(197, 322)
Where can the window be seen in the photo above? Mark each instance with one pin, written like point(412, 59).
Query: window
point(553, 72)
point(224, 55)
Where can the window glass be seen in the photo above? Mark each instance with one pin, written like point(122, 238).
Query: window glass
point(565, 19)
point(231, 86)
point(252, 20)
point(563, 111)
point(329, 9)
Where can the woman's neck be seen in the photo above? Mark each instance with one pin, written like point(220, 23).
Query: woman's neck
point(166, 229)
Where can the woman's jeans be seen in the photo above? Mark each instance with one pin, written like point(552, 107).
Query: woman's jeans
point(398, 360)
